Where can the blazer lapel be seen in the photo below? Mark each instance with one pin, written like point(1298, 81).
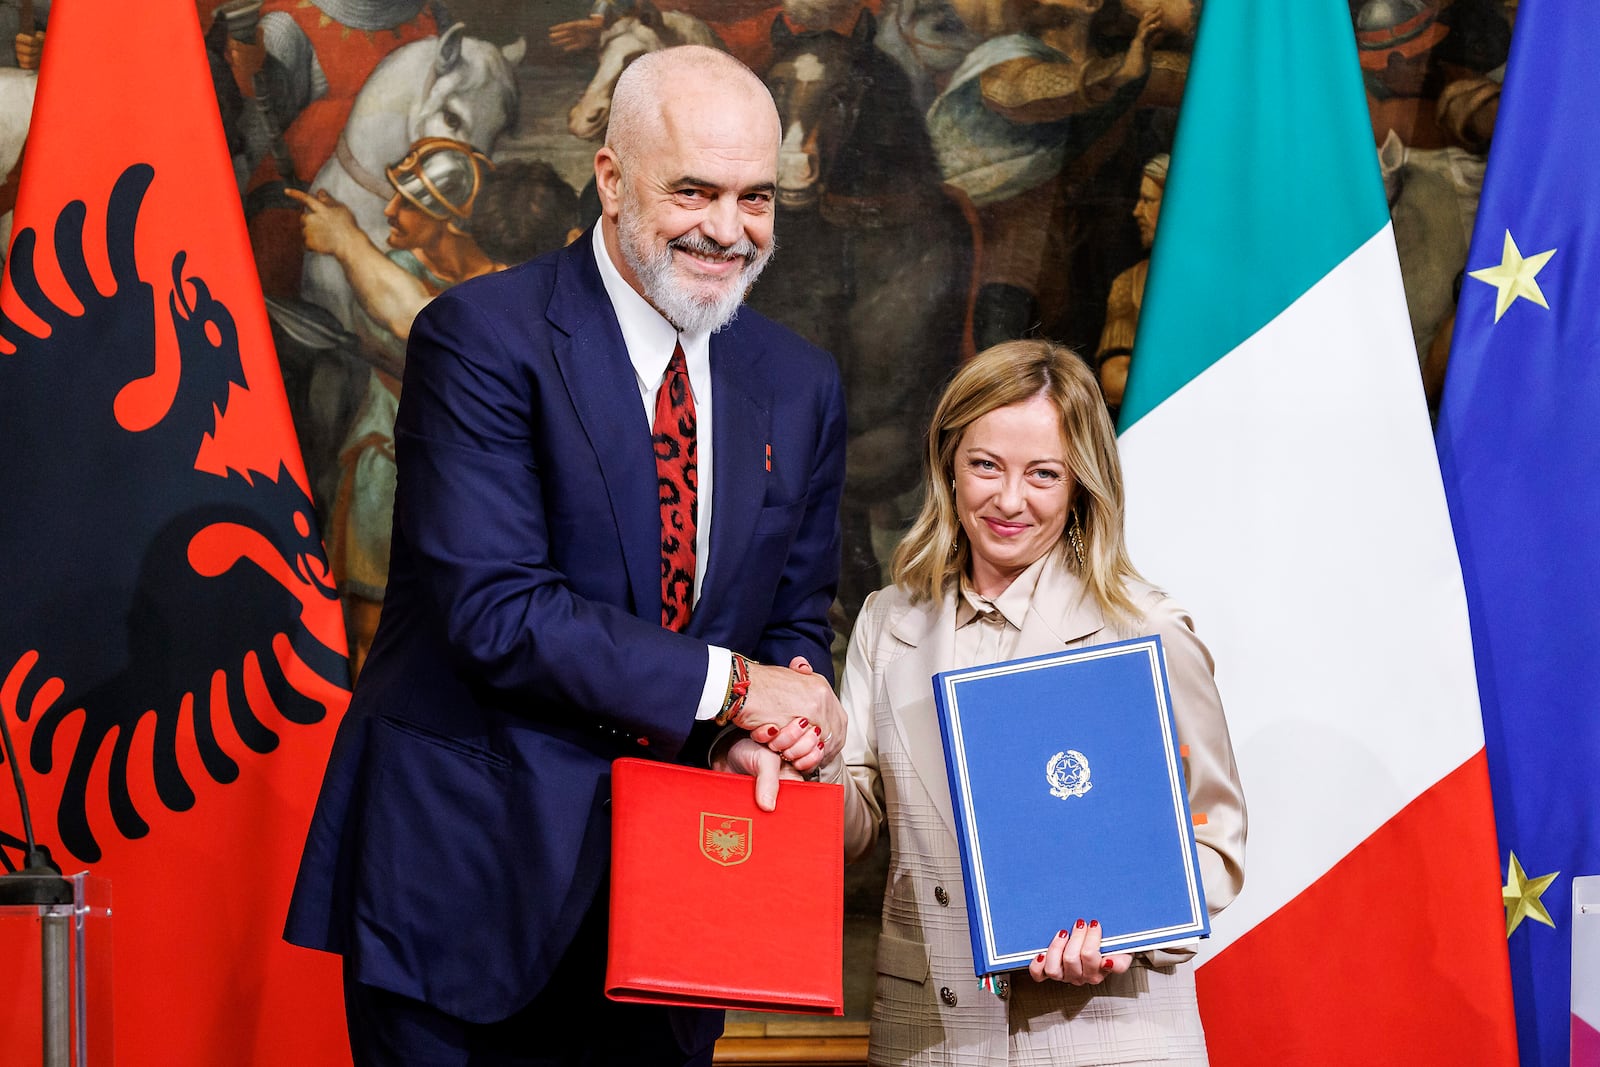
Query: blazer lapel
point(740, 433)
point(1061, 612)
point(593, 361)
point(908, 681)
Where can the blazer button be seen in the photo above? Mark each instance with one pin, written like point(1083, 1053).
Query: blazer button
point(947, 995)
point(941, 896)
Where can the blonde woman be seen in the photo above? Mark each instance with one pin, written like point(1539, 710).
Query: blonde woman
point(1018, 551)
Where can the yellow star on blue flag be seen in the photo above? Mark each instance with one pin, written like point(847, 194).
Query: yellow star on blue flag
point(1514, 276)
point(1520, 459)
point(1521, 895)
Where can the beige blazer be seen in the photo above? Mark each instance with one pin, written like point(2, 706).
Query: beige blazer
point(929, 1008)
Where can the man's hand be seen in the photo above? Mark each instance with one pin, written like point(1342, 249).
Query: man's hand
point(745, 756)
point(1114, 377)
point(1136, 62)
point(579, 35)
point(797, 707)
point(245, 60)
point(28, 47)
point(327, 224)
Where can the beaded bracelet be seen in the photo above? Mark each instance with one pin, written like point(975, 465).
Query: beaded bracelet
point(738, 689)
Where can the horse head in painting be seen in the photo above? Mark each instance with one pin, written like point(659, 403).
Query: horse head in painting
point(853, 137)
point(449, 86)
point(624, 40)
point(929, 39)
point(876, 264)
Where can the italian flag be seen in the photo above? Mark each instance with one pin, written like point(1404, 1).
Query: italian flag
point(1282, 484)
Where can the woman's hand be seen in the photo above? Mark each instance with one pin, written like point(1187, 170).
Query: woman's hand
point(795, 713)
point(802, 742)
point(1074, 957)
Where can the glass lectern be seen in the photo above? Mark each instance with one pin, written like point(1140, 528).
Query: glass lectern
point(55, 970)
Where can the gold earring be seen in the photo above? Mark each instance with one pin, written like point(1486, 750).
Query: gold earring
point(1075, 538)
point(955, 542)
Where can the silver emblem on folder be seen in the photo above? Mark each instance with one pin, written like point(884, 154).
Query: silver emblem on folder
point(1068, 774)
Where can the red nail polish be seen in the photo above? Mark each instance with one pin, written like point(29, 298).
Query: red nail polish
point(822, 744)
point(1080, 925)
point(1094, 922)
point(1039, 958)
point(1108, 964)
point(1063, 933)
point(804, 723)
point(818, 729)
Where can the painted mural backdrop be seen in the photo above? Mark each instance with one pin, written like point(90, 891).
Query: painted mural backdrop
point(953, 173)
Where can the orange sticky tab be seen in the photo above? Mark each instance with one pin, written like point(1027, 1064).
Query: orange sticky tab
point(1183, 751)
point(1199, 818)
point(769, 457)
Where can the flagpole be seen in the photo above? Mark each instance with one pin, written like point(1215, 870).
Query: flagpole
point(39, 882)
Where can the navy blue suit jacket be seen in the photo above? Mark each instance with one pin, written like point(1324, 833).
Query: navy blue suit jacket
point(463, 826)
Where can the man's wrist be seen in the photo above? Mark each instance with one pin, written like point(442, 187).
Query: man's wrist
point(738, 690)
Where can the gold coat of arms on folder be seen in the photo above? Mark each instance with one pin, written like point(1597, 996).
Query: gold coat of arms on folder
point(724, 839)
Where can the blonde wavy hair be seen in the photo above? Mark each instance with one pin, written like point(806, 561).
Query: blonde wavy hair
point(1010, 373)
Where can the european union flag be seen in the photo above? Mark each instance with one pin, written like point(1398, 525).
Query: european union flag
point(1519, 444)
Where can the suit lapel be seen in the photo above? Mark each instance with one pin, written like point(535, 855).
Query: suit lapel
point(593, 360)
point(740, 433)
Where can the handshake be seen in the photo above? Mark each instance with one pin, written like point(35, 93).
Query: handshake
point(793, 723)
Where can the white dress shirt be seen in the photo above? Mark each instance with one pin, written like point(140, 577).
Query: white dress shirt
point(650, 338)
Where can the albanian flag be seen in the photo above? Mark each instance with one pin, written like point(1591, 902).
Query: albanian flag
point(171, 647)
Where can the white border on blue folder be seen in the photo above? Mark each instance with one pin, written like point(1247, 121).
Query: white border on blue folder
point(1186, 933)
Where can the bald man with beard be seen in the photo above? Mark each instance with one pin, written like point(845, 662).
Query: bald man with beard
point(618, 494)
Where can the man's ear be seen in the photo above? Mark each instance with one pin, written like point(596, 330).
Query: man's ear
point(608, 181)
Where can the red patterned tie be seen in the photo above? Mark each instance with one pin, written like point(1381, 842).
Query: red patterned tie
point(673, 434)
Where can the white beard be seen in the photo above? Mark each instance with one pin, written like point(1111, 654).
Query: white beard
point(690, 312)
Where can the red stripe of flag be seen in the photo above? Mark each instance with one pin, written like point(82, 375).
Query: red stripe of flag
point(1428, 982)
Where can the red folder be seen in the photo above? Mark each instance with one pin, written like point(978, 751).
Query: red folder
point(704, 884)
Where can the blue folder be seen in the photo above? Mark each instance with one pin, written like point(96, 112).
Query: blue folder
point(1070, 802)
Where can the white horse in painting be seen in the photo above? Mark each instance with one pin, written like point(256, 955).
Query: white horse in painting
point(1433, 200)
point(16, 110)
point(928, 39)
point(622, 42)
point(450, 86)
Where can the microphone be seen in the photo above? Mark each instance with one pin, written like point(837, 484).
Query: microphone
point(39, 881)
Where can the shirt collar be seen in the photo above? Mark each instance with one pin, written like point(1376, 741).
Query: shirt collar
point(648, 335)
point(1011, 605)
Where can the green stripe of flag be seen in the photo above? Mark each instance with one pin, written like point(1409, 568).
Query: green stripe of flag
point(1274, 181)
